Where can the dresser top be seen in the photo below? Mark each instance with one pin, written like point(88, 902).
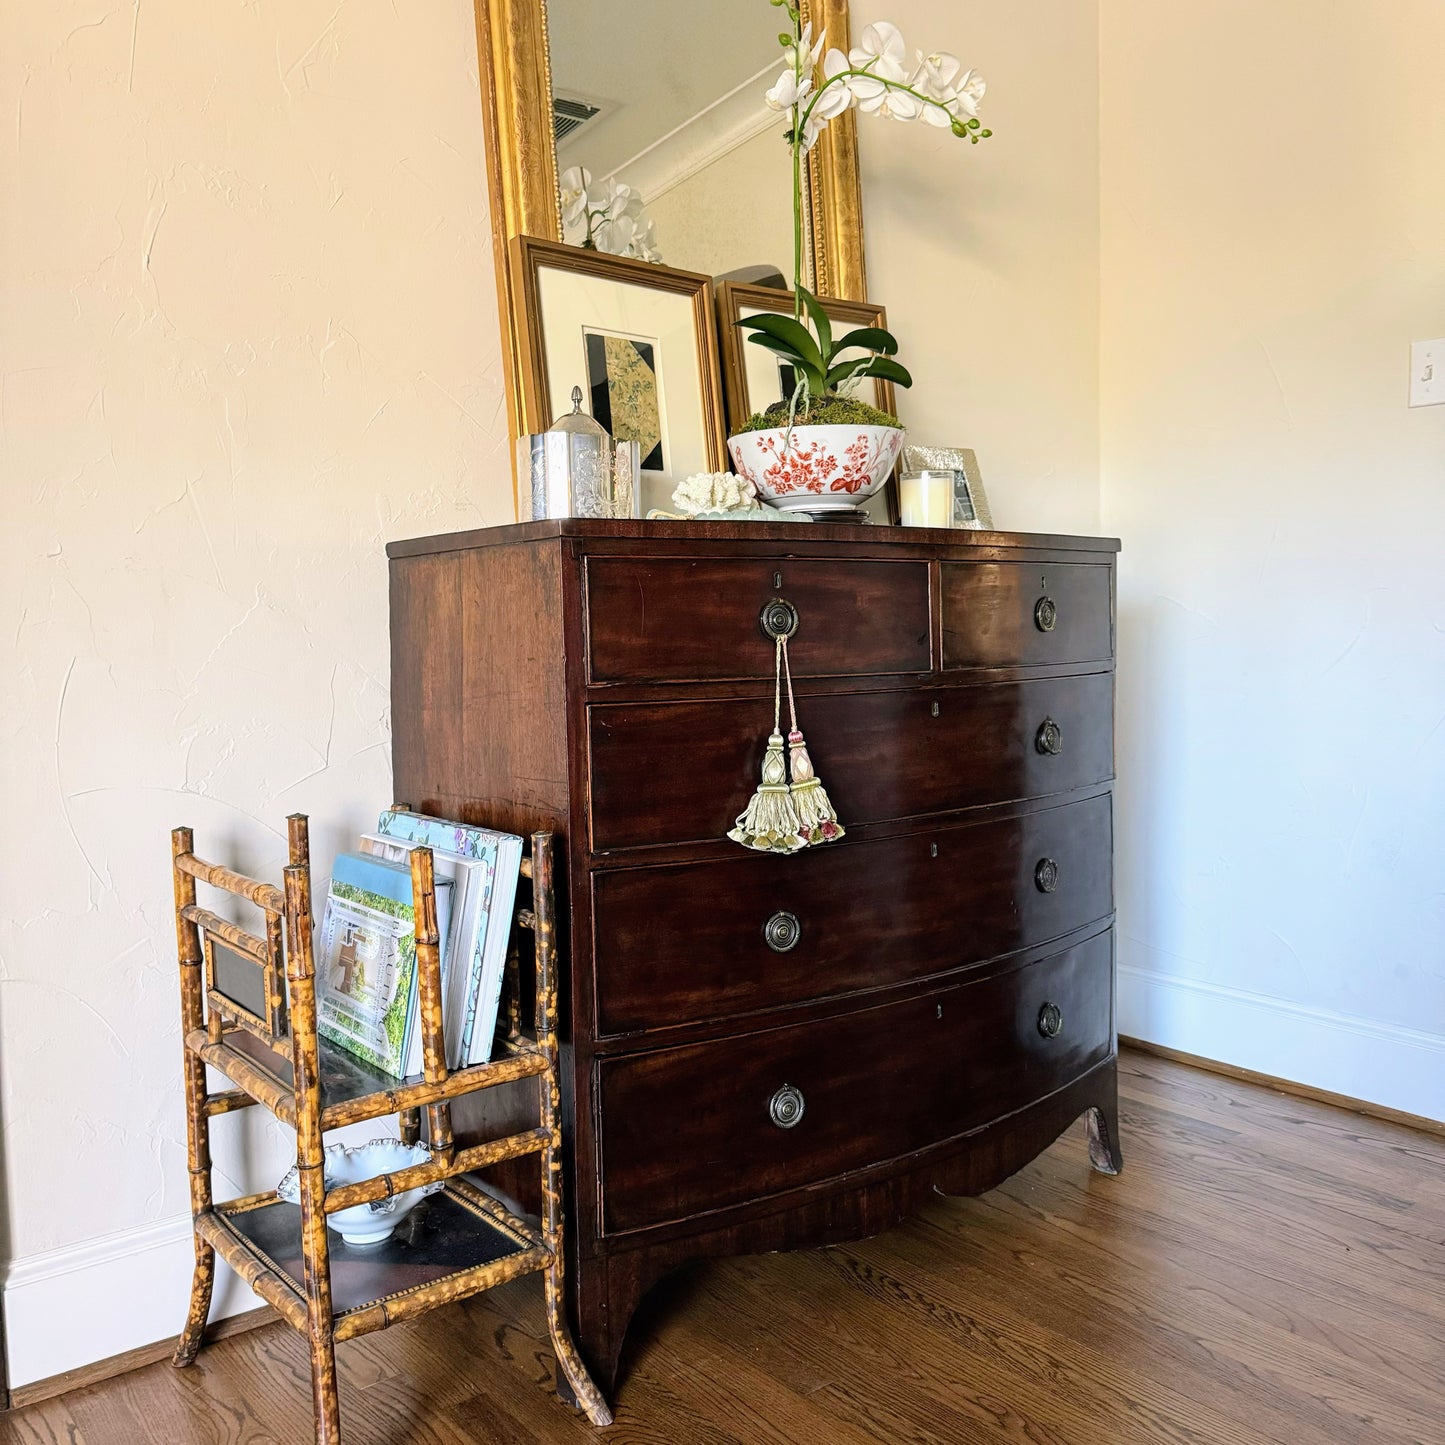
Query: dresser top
point(802, 535)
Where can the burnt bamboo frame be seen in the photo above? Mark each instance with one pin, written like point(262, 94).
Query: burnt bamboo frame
point(204, 1019)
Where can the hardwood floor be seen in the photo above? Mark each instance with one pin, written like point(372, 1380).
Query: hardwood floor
point(1265, 1269)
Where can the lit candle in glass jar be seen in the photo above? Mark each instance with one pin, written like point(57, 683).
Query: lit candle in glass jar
point(926, 499)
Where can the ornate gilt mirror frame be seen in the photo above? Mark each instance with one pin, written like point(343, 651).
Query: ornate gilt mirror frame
point(516, 78)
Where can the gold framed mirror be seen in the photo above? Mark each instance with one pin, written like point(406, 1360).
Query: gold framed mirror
point(515, 51)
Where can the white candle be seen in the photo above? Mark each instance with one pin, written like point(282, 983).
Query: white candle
point(926, 499)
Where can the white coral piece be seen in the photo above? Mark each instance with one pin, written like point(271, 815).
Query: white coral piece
point(714, 492)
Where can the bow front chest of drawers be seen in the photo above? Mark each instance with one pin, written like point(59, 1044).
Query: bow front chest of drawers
point(765, 1052)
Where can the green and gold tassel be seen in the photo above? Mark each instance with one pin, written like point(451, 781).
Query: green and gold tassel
point(769, 823)
point(817, 818)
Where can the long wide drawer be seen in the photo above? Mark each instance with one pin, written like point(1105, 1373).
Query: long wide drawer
point(698, 941)
point(700, 1128)
point(671, 619)
point(1004, 614)
point(682, 772)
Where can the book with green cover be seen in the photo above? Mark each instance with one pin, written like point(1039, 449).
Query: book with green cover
point(366, 987)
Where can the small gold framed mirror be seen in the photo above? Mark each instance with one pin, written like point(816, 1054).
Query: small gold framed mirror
point(668, 99)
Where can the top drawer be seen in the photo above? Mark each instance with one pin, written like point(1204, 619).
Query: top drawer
point(1010, 614)
point(677, 619)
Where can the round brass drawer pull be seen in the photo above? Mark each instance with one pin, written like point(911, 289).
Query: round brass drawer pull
point(785, 1108)
point(1051, 1021)
point(782, 932)
point(1049, 738)
point(1046, 613)
point(779, 618)
point(1046, 875)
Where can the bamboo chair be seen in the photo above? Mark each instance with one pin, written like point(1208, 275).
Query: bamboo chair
point(261, 1034)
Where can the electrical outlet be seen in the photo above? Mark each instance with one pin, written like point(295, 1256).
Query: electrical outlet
point(1427, 372)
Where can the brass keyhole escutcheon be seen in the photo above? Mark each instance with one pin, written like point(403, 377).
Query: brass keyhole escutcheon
point(1051, 1021)
point(782, 931)
point(779, 618)
point(785, 1108)
point(1046, 875)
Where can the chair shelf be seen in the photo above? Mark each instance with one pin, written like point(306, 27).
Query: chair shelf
point(351, 1089)
point(457, 1243)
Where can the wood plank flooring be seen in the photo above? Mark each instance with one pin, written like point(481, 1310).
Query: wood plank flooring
point(1267, 1268)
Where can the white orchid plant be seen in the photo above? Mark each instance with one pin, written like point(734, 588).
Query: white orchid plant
point(875, 76)
point(607, 216)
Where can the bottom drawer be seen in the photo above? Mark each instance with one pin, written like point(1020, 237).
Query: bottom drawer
point(704, 1127)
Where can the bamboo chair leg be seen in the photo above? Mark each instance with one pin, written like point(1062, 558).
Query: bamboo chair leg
point(569, 1361)
point(310, 1156)
point(198, 1123)
point(325, 1399)
point(204, 1276)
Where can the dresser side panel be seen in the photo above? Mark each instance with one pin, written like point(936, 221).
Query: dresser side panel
point(478, 718)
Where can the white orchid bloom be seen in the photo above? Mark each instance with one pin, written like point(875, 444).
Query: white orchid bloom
point(968, 94)
point(573, 186)
point(615, 235)
point(791, 89)
point(936, 73)
point(895, 105)
point(833, 100)
point(802, 55)
point(880, 52)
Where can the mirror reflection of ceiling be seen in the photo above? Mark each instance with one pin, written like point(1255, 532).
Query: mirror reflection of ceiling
point(654, 66)
point(678, 86)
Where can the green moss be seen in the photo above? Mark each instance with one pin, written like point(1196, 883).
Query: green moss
point(830, 411)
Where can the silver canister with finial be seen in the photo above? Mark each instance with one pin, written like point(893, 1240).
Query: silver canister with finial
point(576, 469)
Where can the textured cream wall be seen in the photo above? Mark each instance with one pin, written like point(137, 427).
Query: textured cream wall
point(248, 333)
point(987, 256)
point(1273, 237)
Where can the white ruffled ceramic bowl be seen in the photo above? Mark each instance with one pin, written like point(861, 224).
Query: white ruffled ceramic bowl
point(817, 468)
point(350, 1164)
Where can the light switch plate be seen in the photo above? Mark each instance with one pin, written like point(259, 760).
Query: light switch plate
point(1427, 372)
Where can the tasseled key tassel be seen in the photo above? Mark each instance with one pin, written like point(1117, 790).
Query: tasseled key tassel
point(770, 821)
point(817, 818)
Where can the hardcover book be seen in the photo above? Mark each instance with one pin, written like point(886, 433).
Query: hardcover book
point(471, 887)
point(500, 857)
point(366, 987)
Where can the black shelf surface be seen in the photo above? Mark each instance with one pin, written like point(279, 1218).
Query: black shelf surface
point(445, 1234)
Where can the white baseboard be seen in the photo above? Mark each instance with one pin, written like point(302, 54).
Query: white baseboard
point(1379, 1063)
point(71, 1307)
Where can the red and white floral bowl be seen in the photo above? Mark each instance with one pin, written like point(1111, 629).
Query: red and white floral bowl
point(817, 468)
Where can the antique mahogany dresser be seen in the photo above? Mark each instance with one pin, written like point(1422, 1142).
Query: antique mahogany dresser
point(766, 1052)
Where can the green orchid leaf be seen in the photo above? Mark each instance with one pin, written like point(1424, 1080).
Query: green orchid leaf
point(784, 349)
point(868, 338)
point(817, 379)
point(887, 370)
point(847, 370)
point(821, 324)
point(793, 333)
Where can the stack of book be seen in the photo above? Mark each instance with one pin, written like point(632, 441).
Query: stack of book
point(366, 980)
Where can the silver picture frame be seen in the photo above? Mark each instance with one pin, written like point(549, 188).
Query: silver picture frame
point(970, 501)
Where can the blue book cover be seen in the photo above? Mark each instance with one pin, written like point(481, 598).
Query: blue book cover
point(366, 985)
point(501, 853)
